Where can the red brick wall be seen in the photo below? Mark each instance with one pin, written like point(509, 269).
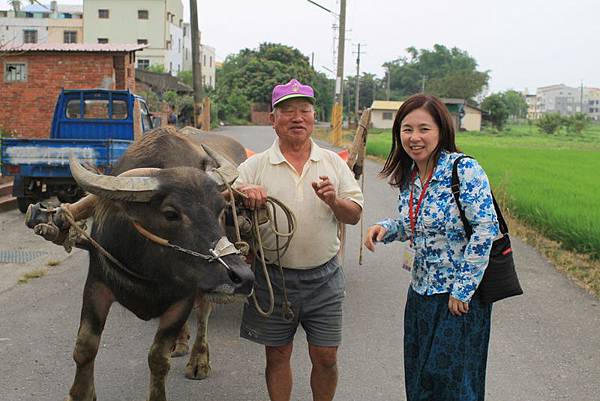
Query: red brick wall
point(26, 108)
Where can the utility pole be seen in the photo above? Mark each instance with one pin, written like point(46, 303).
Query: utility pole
point(581, 98)
point(387, 89)
point(338, 108)
point(357, 94)
point(196, 66)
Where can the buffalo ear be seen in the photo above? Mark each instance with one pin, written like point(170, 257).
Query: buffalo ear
point(206, 163)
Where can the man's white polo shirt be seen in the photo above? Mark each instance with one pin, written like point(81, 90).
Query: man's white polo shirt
point(315, 240)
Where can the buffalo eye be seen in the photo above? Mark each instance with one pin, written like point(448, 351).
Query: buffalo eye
point(171, 214)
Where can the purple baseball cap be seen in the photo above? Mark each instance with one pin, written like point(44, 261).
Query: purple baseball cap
point(291, 90)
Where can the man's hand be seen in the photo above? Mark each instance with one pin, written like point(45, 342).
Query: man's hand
point(374, 234)
point(256, 195)
point(325, 191)
point(457, 307)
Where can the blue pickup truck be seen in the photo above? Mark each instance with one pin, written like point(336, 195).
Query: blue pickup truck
point(94, 125)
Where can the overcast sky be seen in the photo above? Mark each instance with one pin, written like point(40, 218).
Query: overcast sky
point(523, 43)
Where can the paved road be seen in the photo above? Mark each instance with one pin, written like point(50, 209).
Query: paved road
point(545, 345)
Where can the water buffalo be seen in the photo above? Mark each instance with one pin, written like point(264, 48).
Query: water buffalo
point(159, 218)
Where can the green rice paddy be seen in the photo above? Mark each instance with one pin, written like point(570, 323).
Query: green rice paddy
point(550, 182)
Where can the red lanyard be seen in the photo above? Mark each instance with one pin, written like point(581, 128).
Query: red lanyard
point(414, 215)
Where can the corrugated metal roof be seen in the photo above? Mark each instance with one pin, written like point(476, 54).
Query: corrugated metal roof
point(386, 105)
point(46, 8)
point(75, 47)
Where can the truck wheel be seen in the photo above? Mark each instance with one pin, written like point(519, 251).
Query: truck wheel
point(24, 202)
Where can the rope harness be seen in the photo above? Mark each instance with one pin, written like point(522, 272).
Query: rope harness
point(224, 247)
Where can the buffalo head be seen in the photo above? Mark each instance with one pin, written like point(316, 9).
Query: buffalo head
point(179, 212)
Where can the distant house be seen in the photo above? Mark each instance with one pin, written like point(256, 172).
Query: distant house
point(465, 116)
point(383, 113)
point(34, 74)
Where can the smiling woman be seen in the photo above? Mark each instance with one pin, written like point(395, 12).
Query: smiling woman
point(446, 323)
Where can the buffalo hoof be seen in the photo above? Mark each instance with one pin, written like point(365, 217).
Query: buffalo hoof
point(180, 349)
point(197, 371)
point(93, 398)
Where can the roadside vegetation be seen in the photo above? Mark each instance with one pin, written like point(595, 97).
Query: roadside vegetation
point(548, 184)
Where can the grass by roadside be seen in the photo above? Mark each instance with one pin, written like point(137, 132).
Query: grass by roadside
point(556, 206)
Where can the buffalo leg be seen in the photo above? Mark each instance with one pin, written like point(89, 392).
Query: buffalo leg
point(181, 346)
point(97, 300)
point(198, 367)
point(159, 356)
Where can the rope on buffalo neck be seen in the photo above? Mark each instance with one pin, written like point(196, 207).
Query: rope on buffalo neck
point(104, 252)
point(259, 249)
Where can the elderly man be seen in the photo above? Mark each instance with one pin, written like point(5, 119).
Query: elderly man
point(319, 188)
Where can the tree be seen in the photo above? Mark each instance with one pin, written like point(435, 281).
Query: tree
point(515, 104)
point(251, 74)
point(368, 86)
point(549, 123)
point(156, 68)
point(442, 72)
point(16, 4)
point(496, 109)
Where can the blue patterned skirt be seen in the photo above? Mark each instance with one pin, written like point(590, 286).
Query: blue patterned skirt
point(445, 356)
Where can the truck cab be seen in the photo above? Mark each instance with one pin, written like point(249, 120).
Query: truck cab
point(95, 125)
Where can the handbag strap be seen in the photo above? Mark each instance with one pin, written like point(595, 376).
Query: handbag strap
point(456, 193)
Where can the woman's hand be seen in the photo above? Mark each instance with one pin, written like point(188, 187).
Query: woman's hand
point(374, 234)
point(457, 307)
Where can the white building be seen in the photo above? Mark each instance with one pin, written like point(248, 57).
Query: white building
point(38, 23)
point(157, 23)
point(207, 58)
point(568, 100)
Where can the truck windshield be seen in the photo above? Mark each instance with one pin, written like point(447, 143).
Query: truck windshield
point(97, 109)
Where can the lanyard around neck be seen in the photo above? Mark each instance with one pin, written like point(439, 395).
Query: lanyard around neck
point(414, 215)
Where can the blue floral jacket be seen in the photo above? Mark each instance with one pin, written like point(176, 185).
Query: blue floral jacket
point(445, 261)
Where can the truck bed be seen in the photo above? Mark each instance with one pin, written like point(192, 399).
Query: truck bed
point(50, 157)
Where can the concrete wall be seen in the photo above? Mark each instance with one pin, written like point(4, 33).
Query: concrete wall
point(472, 119)
point(377, 120)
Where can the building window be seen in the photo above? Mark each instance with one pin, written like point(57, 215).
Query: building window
point(142, 41)
point(70, 37)
point(28, 15)
point(15, 72)
point(168, 16)
point(102, 40)
point(388, 115)
point(204, 60)
point(30, 36)
point(143, 64)
point(4, 14)
point(179, 46)
point(142, 14)
point(170, 67)
point(103, 13)
point(210, 62)
point(67, 16)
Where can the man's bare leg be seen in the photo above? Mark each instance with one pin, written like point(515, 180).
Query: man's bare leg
point(324, 374)
point(279, 372)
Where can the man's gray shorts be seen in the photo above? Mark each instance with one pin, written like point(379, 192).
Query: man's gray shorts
point(316, 296)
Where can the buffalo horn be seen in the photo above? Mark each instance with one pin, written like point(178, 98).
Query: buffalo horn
point(124, 187)
point(226, 168)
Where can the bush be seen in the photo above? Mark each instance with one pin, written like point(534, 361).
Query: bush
point(576, 123)
point(550, 123)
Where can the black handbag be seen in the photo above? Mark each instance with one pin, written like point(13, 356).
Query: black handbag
point(500, 277)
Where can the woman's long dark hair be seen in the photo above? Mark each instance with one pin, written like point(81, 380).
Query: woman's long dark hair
point(398, 163)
